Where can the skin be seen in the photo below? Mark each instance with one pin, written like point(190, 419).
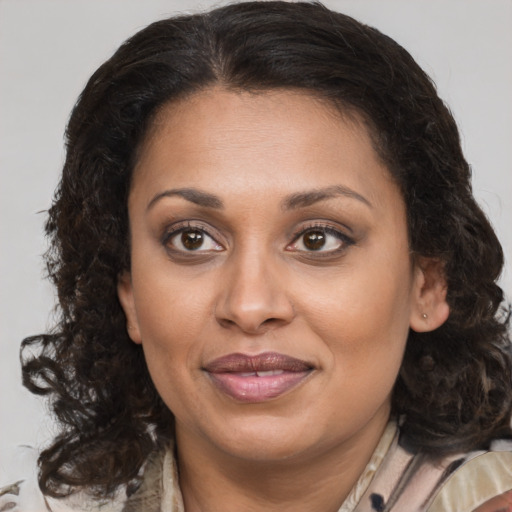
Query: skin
point(254, 287)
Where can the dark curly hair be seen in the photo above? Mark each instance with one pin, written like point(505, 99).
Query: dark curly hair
point(454, 388)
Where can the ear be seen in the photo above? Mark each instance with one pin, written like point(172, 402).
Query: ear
point(430, 309)
point(125, 294)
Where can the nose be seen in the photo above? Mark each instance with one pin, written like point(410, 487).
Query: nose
point(253, 296)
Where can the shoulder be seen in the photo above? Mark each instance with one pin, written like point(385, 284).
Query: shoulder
point(20, 490)
point(23, 493)
point(477, 481)
point(25, 496)
point(408, 481)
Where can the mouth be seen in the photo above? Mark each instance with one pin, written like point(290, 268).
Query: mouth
point(257, 378)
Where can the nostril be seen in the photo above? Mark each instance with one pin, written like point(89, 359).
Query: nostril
point(224, 322)
point(253, 307)
point(248, 327)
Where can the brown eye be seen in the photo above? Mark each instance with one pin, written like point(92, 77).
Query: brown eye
point(192, 239)
point(321, 240)
point(313, 240)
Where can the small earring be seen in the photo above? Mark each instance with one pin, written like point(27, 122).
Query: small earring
point(425, 316)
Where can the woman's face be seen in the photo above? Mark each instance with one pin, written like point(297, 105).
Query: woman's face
point(271, 282)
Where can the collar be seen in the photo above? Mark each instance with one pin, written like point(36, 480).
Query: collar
point(172, 500)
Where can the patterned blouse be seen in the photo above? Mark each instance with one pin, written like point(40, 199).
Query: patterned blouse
point(394, 480)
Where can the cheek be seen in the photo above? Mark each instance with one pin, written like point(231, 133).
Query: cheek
point(171, 314)
point(362, 316)
point(166, 300)
point(365, 337)
point(369, 308)
point(170, 325)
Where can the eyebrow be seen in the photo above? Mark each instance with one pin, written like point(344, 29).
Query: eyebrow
point(303, 199)
point(293, 201)
point(190, 194)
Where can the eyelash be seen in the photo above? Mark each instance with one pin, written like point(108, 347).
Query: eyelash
point(173, 231)
point(346, 241)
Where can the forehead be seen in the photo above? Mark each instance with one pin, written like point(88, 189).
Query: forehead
point(259, 138)
point(224, 110)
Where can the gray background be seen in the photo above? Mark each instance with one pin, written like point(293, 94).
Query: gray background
point(48, 49)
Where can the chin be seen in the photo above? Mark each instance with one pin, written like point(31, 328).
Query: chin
point(267, 439)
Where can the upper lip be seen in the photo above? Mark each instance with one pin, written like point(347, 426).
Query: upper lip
point(267, 361)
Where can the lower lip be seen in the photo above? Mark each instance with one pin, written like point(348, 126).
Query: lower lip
point(255, 389)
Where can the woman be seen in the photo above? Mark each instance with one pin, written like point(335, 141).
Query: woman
point(277, 291)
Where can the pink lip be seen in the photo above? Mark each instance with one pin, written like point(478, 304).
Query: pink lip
point(240, 375)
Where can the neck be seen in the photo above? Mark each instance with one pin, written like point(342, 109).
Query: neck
point(212, 480)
